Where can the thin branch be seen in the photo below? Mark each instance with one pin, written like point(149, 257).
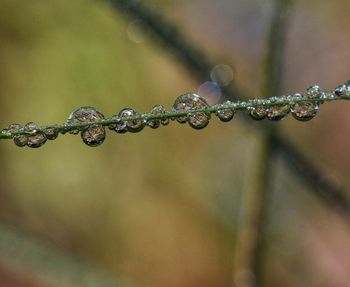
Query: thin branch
point(194, 105)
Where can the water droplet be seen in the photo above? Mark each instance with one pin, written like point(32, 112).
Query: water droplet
point(51, 133)
point(13, 128)
point(83, 115)
point(157, 110)
point(304, 111)
point(277, 113)
point(313, 92)
point(94, 135)
point(20, 140)
point(343, 90)
point(127, 124)
point(225, 115)
point(65, 129)
point(37, 139)
point(187, 102)
point(113, 126)
point(198, 120)
point(120, 125)
point(258, 113)
point(165, 122)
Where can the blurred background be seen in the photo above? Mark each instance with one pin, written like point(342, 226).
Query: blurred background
point(164, 207)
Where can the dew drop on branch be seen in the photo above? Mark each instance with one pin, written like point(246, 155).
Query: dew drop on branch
point(117, 125)
point(157, 110)
point(94, 135)
point(313, 92)
point(198, 120)
point(192, 101)
point(277, 113)
point(225, 114)
point(127, 123)
point(51, 133)
point(83, 115)
point(258, 113)
point(37, 139)
point(13, 128)
point(304, 111)
point(19, 140)
point(343, 90)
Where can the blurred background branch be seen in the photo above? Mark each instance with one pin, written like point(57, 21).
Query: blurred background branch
point(198, 64)
point(249, 253)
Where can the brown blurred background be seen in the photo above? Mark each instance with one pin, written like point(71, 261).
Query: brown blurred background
point(162, 207)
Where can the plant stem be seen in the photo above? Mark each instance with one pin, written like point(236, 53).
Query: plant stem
point(236, 106)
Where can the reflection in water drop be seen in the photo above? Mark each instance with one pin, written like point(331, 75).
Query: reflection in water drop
point(51, 133)
point(211, 91)
point(127, 124)
point(225, 115)
point(36, 140)
point(199, 120)
point(118, 126)
point(187, 102)
point(222, 74)
point(83, 115)
point(313, 92)
point(258, 113)
point(157, 110)
point(277, 113)
point(304, 111)
point(343, 90)
point(19, 140)
point(13, 128)
point(138, 31)
point(94, 135)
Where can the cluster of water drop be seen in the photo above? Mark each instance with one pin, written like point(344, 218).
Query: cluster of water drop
point(198, 118)
point(187, 108)
point(157, 110)
point(30, 135)
point(92, 134)
point(301, 110)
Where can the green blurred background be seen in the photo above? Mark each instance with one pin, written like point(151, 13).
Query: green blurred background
point(162, 207)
